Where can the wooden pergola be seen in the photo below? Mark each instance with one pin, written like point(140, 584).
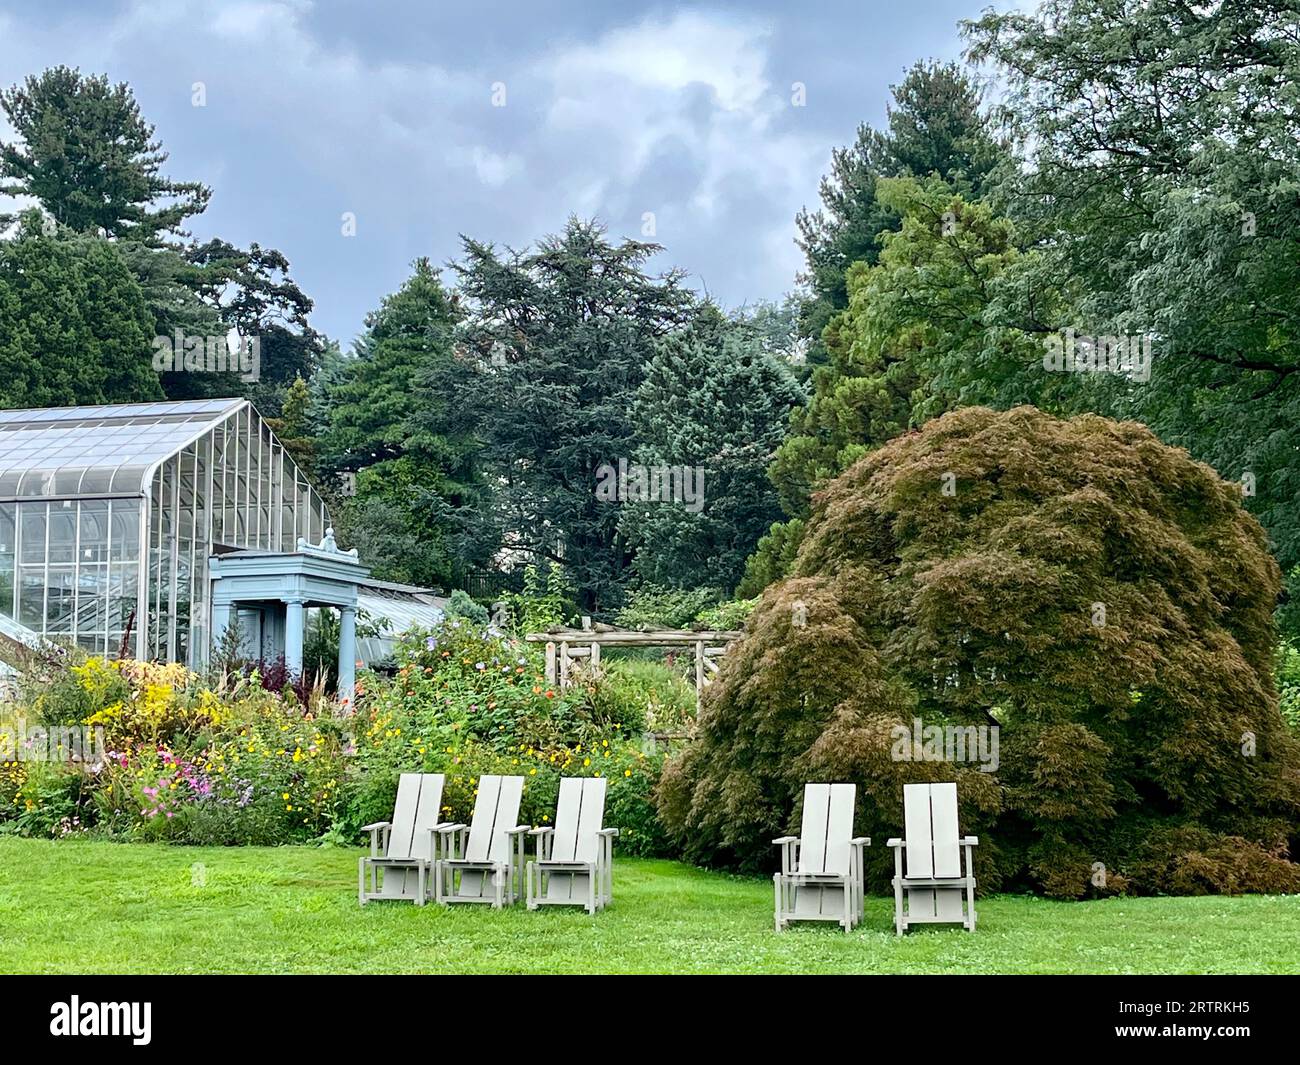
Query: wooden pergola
point(565, 647)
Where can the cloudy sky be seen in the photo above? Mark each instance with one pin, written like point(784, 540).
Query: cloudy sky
point(387, 109)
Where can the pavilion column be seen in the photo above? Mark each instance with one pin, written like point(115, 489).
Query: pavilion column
point(294, 632)
point(347, 652)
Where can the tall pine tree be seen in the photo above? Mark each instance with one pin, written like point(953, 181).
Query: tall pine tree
point(560, 337)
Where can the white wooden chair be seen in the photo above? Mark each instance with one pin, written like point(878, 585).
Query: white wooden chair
point(405, 854)
point(937, 890)
point(821, 869)
point(575, 859)
point(484, 860)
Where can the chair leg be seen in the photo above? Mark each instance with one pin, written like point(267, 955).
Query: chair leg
point(419, 884)
point(776, 883)
point(361, 881)
point(529, 871)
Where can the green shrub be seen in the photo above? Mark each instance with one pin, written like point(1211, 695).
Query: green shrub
point(727, 616)
point(1070, 589)
point(460, 605)
point(772, 557)
point(545, 602)
point(50, 799)
point(639, 696)
point(1288, 682)
point(652, 607)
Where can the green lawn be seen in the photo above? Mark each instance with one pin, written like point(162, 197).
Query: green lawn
point(75, 906)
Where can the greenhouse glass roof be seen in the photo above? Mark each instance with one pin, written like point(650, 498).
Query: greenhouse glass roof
point(105, 450)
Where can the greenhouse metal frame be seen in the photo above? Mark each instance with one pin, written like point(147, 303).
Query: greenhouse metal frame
point(82, 488)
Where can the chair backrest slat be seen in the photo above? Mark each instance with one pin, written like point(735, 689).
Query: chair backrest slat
point(839, 828)
point(943, 821)
point(564, 840)
point(916, 825)
point(812, 829)
point(512, 792)
point(485, 815)
point(402, 833)
point(578, 817)
point(590, 820)
point(428, 812)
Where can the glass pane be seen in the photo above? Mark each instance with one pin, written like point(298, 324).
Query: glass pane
point(31, 597)
point(92, 599)
point(125, 540)
point(93, 546)
point(8, 514)
point(60, 590)
point(33, 532)
point(63, 531)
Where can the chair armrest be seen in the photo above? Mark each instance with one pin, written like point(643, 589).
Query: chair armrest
point(449, 827)
point(612, 833)
point(784, 840)
point(895, 842)
point(539, 831)
point(517, 829)
point(860, 841)
point(376, 826)
point(970, 841)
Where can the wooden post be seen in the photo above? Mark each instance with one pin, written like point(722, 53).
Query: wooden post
point(552, 677)
point(595, 658)
point(564, 665)
point(699, 666)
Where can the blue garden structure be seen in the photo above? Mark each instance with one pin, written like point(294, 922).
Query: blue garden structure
point(147, 529)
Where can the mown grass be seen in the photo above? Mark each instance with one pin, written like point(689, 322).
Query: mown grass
point(94, 907)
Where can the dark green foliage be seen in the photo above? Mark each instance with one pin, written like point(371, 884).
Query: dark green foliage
point(717, 397)
point(407, 437)
point(772, 558)
point(934, 127)
point(252, 293)
point(1161, 190)
point(980, 607)
point(862, 395)
point(88, 157)
point(560, 337)
point(74, 326)
point(653, 607)
point(460, 605)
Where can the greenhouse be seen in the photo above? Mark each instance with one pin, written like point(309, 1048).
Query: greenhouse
point(108, 516)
